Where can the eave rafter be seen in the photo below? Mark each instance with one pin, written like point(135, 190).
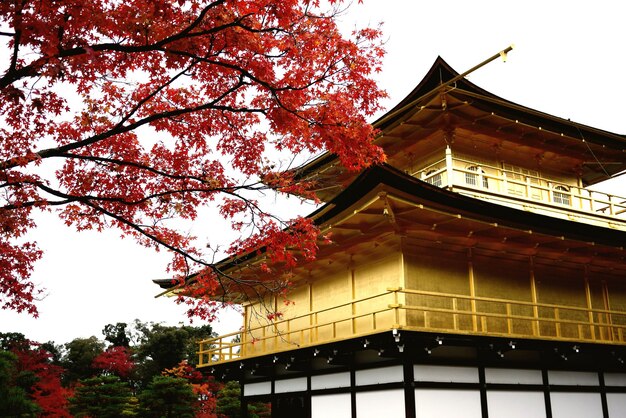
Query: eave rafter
point(462, 230)
point(439, 224)
point(349, 226)
point(471, 232)
point(488, 121)
point(549, 119)
point(355, 243)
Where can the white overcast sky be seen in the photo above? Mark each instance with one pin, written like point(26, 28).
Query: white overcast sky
point(569, 60)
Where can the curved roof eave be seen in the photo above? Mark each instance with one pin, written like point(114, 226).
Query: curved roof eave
point(441, 72)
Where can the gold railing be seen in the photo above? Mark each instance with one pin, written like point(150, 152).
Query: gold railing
point(420, 311)
point(512, 318)
point(375, 315)
point(523, 187)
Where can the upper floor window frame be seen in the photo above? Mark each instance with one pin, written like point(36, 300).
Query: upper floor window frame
point(473, 175)
point(433, 178)
point(561, 195)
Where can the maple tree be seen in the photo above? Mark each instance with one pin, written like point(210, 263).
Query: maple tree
point(127, 114)
point(116, 360)
point(204, 388)
point(47, 391)
point(36, 377)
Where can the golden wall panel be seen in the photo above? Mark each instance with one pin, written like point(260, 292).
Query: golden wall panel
point(443, 272)
point(297, 306)
point(372, 279)
point(614, 299)
point(257, 328)
point(497, 277)
point(598, 301)
point(329, 294)
point(271, 334)
point(562, 286)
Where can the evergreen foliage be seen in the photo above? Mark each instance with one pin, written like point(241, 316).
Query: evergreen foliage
point(79, 357)
point(117, 335)
point(168, 397)
point(163, 347)
point(229, 401)
point(102, 397)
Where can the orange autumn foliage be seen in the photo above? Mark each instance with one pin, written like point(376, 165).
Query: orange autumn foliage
point(204, 387)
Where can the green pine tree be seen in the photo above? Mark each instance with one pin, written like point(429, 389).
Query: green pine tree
point(228, 401)
point(102, 397)
point(168, 397)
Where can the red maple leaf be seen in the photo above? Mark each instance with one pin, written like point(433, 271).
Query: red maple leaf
point(154, 109)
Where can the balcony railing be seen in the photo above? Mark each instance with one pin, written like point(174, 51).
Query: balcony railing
point(420, 311)
point(526, 191)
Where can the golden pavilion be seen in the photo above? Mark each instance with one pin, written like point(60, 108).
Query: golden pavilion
point(475, 274)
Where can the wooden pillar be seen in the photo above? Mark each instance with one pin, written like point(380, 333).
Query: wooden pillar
point(472, 289)
point(592, 327)
point(246, 326)
point(546, 392)
point(484, 408)
point(243, 402)
point(275, 325)
point(409, 388)
point(310, 310)
point(449, 167)
point(534, 298)
point(353, 391)
point(352, 295)
point(607, 306)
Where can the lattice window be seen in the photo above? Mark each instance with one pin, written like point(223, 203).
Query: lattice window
point(434, 179)
point(521, 179)
point(473, 178)
point(561, 195)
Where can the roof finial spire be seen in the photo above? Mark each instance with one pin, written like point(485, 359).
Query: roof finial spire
point(504, 52)
point(444, 84)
